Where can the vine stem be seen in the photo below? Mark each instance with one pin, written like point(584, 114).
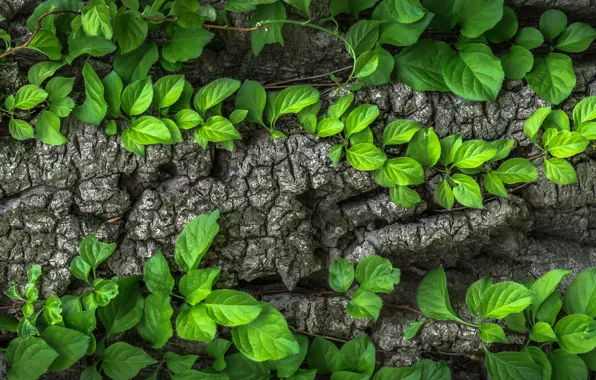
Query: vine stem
point(272, 85)
point(325, 30)
point(36, 31)
point(209, 26)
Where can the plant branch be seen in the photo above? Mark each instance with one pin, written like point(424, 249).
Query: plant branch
point(308, 78)
point(209, 26)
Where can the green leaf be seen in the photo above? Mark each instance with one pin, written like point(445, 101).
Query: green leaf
point(167, 90)
point(137, 97)
point(512, 365)
point(294, 99)
point(196, 285)
point(185, 44)
point(382, 74)
point(545, 286)
point(550, 309)
point(148, 130)
point(94, 46)
point(29, 96)
point(365, 157)
point(217, 349)
point(588, 131)
point(193, 323)
point(20, 129)
point(404, 196)
point(8, 322)
point(113, 92)
point(215, 93)
point(97, 21)
point(580, 295)
point(494, 185)
point(238, 116)
point(529, 38)
point(467, 192)
point(404, 171)
point(576, 333)
point(240, 366)
point(503, 299)
point(492, 333)
point(410, 333)
point(157, 276)
point(425, 147)
point(584, 111)
point(105, 291)
point(135, 65)
point(124, 311)
point(365, 304)
point(29, 358)
point(533, 123)
point(505, 28)
point(232, 307)
point(576, 38)
point(542, 333)
point(42, 70)
point(341, 275)
point(83, 321)
point(323, 356)
point(449, 145)
point(552, 77)
point(179, 363)
point(473, 153)
point(130, 30)
point(265, 338)
point(195, 239)
point(475, 292)
point(70, 345)
point(474, 73)
point(358, 355)
point(47, 43)
point(517, 63)
point(363, 35)
point(329, 127)
point(288, 366)
point(433, 297)
point(589, 360)
point(121, 361)
point(478, 16)
point(156, 325)
point(188, 119)
point(302, 5)
point(94, 109)
point(567, 366)
point(541, 360)
point(186, 13)
point(552, 23)
point(48, 129)
point(444, 194)
point(366, 64)
point(420, 66)
point(405, 11)
point(396, 33)
point(360, 118)
point(516, 170)
point(341, 105)
point(400, 132)
point(503, 147)
point(260, 38)
point(560, 171)
point(252, 97)
point(566, 144)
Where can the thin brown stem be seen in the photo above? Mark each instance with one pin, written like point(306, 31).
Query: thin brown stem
point(309, 78)
point(210, 26)
point(405, 307)
point(36, 31)
point(322, 336)
point(271, 87)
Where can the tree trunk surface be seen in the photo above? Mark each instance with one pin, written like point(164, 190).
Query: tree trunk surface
point(286, 212)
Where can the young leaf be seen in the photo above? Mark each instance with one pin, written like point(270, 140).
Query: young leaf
point(517, 63)
point(48, 129)
point(293, 100)
point(231, 307)
point(420, 66)
point(188, 119)
point(411, 332)
point(552, 77)
point(252, 97)
point(400, 132)
point(156, 326)
point(195, 239)
point(238, 116)
point(444, 194)
point(363, 35)
point(478, 16)
point(20, 129)
point(217, 349)
point(196, 285)
point(28, 97)
point(329, 127)
point(124, 311)
point(70, 345)
point(382, 74)
point(505, 28)
point(94, 109)
point(193, 323)
point(121, 361)
point(543, 333)
point(148, 130)
point(365, 157)
point(405, 11)
point(341, 275)
point(550, 309)
point(167, 90)
point(178, 363)
point(358, 355)
point(474, 73)
point(404, 171)
point(265, 338)
point(42, 70)
point(494, 185)
point(433, 297)
point(584, 111)
point(425, 147)
point(341, 105)
point(335, 153)
point(360, 118)
point(29, 358)
point(560, 171)
point(366, 64)
point(467, 192)
point(97, 21)
point(365, 304)
point(566, 144)
point(377, 274)
point(215, 93)
point(473, 153)
point(529, 38)
point(516, 170)
point(47, 43)
point(157, 276)
point(552, 23)
point(492, 333)
point(404, 196)
point(113, 92)
point(545, 286)
point(137, 97)
point(475, 292)
point(503, 299)
point(323, 356)
point(576, 38)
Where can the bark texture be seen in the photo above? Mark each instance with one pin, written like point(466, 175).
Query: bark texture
point(286, 212)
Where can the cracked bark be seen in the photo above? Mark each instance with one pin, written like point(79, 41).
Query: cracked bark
point(286, 212)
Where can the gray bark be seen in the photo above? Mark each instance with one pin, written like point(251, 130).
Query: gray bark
point(286, 212)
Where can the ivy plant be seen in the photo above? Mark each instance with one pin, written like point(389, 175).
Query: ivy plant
point(560, 332)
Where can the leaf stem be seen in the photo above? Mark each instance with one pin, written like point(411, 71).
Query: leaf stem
point(208, 26)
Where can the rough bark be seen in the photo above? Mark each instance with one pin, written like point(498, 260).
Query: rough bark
point(286, 212)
